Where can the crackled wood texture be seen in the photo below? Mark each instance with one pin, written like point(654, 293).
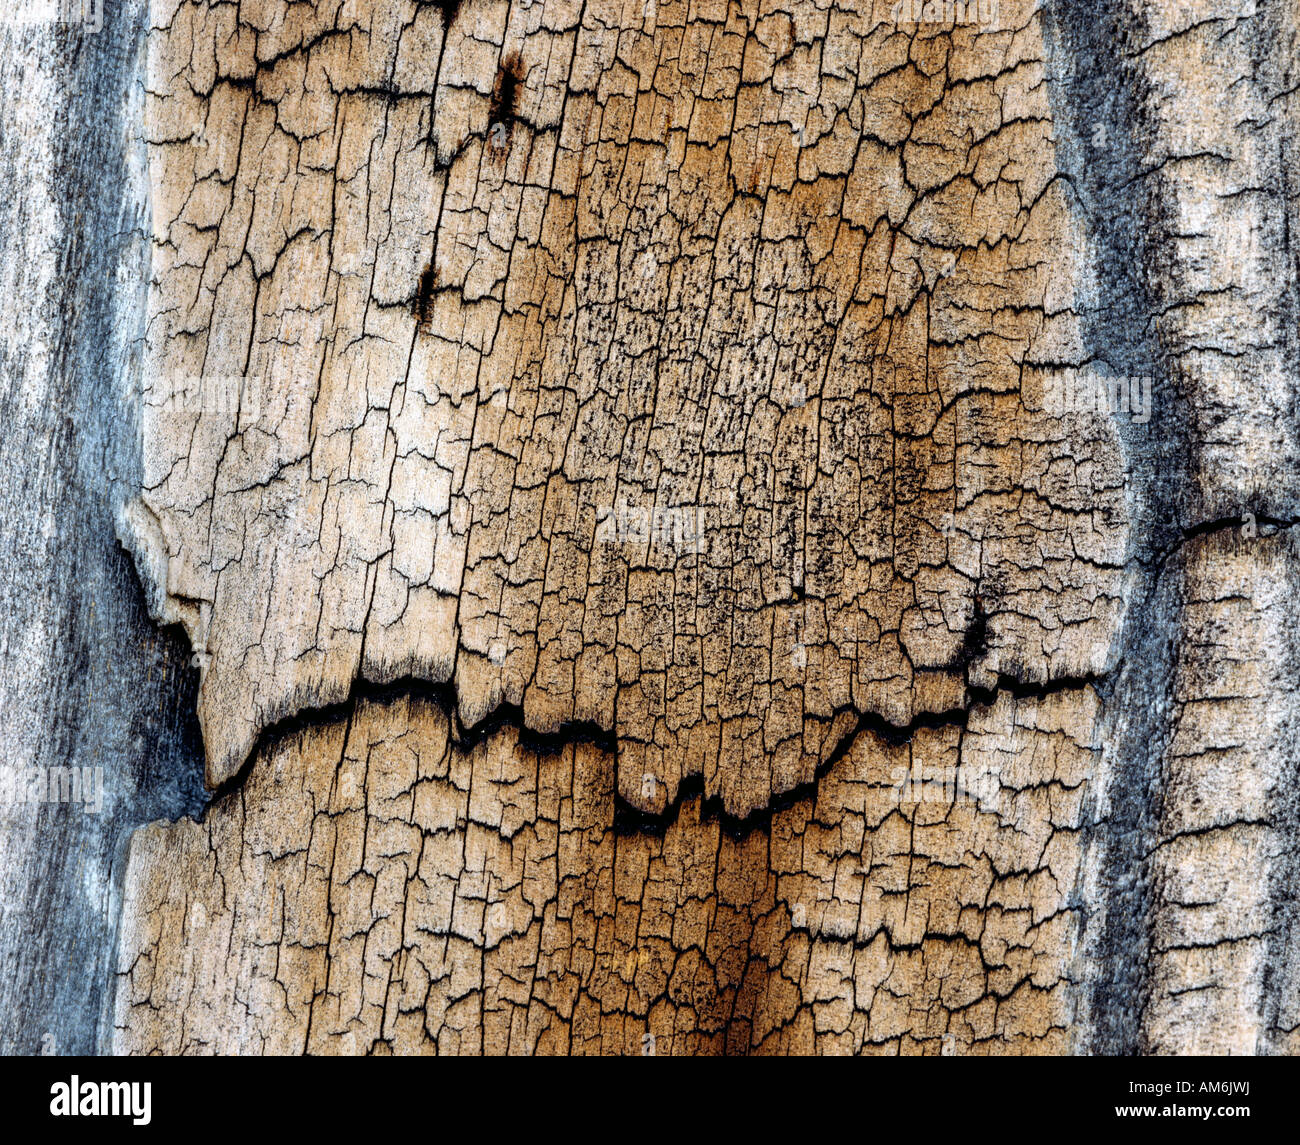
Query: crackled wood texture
point(796, 274)
point(375, 888)
point(651, 595)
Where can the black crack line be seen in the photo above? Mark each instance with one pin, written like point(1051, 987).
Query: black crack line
point(1220, 525)
point(629, 819)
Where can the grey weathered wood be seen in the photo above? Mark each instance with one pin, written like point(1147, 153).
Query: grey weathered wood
point(86, 679)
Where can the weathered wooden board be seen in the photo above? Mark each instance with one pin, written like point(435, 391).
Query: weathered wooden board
point(734, 527)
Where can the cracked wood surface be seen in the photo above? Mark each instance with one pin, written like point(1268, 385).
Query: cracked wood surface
point(503, 280)
point(377, 888)
point(798, 275)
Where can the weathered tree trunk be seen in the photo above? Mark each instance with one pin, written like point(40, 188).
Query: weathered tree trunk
point(716, 528)
point(87, 681)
